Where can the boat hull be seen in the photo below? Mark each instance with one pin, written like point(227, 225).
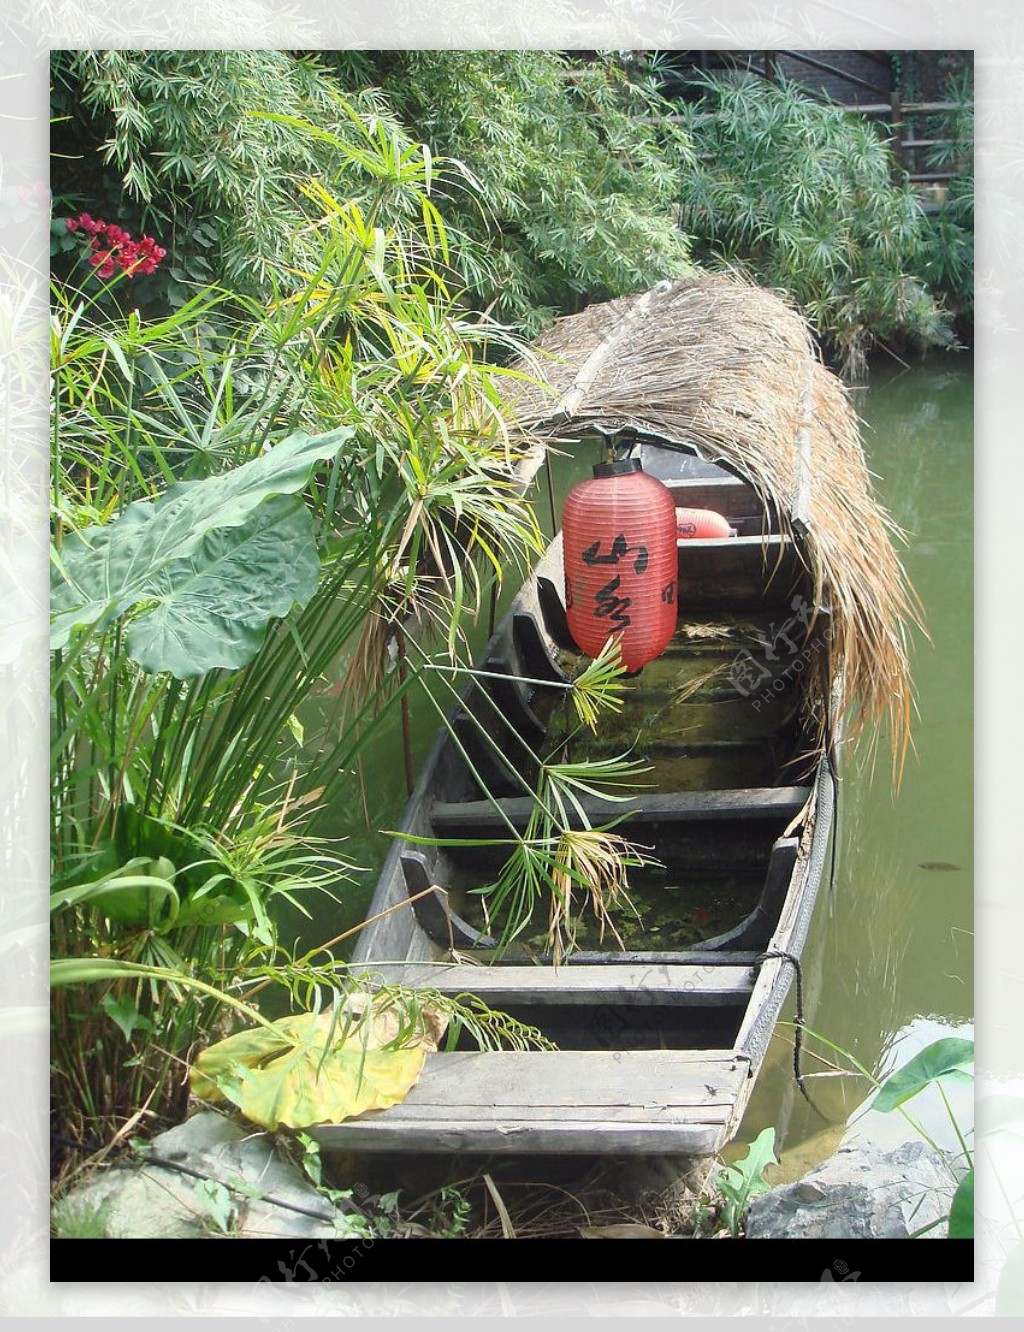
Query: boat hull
point(660, 1042)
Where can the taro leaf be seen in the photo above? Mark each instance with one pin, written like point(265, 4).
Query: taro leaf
point(208, 909)
point(102, 572)
point(961, 1214)
point(744, 1179)
point(304, 1086)
point(213, 606)
point(945, 1059)
point(139, 892)
point(307, 1071)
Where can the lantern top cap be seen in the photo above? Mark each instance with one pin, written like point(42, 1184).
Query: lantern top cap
point(621, 467)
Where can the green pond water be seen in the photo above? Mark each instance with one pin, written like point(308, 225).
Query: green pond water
point(889, 964)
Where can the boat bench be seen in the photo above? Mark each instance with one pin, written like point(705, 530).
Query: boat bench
point(640, 1102)
point(778, 805)
point(507, 985)
point(474, 818)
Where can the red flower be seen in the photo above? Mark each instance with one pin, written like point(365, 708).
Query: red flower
point(117, 249)
point(103, 262)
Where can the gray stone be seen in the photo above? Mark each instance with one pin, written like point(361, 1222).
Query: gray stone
point(266, 1195)
point(860, 1193)
point(806, 1192)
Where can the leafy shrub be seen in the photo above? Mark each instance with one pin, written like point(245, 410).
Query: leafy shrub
point(578, 163)
point(220, 542)
point(568, 193)
point(175, 143)
point(802, 196)
point(948, 241)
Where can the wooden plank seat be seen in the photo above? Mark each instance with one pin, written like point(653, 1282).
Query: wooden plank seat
point(755, 569)
point(637, 1101)
point(737, 947)
point(672, 985)
point(476, 817)
point(742, 570)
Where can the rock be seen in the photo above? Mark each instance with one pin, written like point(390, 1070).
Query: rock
point(260, 1195)
point(807, 1192)
point(860, 1193)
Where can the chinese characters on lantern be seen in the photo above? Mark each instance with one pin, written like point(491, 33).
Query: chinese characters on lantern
point(608, 604)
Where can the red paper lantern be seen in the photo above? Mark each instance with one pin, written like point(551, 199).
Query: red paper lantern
point(619, 551)
point(701, 524)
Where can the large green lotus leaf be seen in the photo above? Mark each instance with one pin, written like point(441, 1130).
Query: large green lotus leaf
point(304, 1071)
point(944, 1060)
point(103, 571)
point(212, 607)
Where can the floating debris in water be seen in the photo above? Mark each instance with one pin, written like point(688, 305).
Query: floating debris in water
point(938, 865)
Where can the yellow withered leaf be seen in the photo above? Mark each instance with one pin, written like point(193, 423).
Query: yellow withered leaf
point(317, 1067)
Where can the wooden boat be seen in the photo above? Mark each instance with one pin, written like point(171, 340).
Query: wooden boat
point(659, 1042)
point(794, 624)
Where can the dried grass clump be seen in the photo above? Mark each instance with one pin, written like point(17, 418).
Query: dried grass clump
point(724, 367)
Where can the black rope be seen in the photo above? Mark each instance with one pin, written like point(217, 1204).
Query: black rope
point(798, 1021)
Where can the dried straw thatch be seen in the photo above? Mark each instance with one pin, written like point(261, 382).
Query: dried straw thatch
point(718, 365)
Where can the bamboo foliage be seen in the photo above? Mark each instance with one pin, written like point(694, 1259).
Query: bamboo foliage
point(807, 198)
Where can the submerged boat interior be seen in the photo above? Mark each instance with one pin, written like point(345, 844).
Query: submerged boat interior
point(736, 802)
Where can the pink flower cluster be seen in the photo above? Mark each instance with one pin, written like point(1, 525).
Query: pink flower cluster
point(114, 248)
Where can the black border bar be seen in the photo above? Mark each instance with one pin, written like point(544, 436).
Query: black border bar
point(304, 1260)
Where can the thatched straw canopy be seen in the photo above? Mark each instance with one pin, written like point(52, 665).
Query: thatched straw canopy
point(728, 370)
